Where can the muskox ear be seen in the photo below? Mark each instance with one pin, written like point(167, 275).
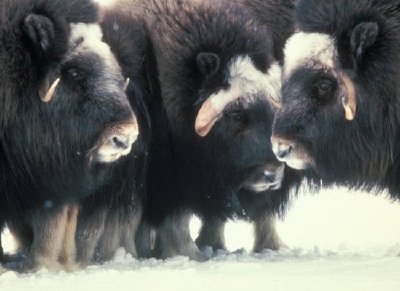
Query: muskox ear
point(208, 63)
point(40, 31)
point(363, 36)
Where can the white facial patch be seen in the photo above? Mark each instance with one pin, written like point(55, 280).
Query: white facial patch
point(246, 80)
point(87, 39)
point(305, 49)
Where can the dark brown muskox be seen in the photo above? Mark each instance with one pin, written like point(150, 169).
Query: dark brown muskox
point(341, 93)
point(108, 219)
point(209, 52)
point(64, 118)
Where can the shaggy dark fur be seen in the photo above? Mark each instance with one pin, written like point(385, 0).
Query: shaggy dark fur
point(47, 154)
point(204, 175)
point(277, 16)
point(187, 173)
point(107, 222)
point(365, 152)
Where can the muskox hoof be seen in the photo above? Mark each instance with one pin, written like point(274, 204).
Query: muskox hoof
point(35, 264)
point(2, 270)
point(274, 247)
point(14, 258)
point(215, 246)
point(193, 254)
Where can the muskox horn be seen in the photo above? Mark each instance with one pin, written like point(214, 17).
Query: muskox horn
point(212, 109)
point(349, 102)
point(46, 94)
point(127, 81)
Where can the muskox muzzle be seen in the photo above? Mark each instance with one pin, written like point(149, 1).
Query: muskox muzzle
point(268, 177)
point(115, 142)
point(291, 152)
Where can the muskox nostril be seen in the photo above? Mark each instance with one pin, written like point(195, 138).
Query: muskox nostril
point(284, 151)
point(269, 177)
point(120, 142)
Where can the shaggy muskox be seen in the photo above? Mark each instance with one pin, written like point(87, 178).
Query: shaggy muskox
point(109, 218)
point(341, 93)
point(64, 118)
point(208, 51)
point(276, 17)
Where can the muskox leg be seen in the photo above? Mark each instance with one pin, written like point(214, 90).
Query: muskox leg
point(130, 229)
point(89, 230)
point(145, 240)
point(266, 236)
point(2, 270)
point(110, 238)
point(48, 235)
point(173, 238)
point(1, 245)
point(68, 252)
point(212, 233)
point(119, 231)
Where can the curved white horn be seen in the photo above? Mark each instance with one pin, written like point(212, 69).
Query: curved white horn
point(127, 81)
point(48, 95)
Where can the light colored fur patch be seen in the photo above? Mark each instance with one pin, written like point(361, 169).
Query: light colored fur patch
point(309, 50)
point(87, 39)
point(245, 80)
point(68, 252)
point(266, 236)
point(107, 151)
point(298, 158)
point(49, 231)
point(278, 173)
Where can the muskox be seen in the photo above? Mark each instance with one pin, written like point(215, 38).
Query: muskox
point(341, 93)
point(215, 163)
point(109, 218)
point(64, 118)
point(276, 17)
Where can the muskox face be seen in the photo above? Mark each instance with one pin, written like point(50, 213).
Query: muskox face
point(73, 115)
point(239, 77)
point(85, 87)
point(239, 147)
point(316, 125)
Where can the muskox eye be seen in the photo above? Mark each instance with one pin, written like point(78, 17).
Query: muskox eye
point(75, 74)
point(323, 91)
point(325, 86)
point(237, 116)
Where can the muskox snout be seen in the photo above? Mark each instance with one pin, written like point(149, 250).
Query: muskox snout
point(116, 142)
point(268, 177)
point(291, 153)
point(120, 141)
point(282, 150)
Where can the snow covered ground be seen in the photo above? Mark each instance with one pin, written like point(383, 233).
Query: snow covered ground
point(337, 241)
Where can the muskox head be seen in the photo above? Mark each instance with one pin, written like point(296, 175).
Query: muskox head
point(86, 81)
point(207, 60)
point(338, 82)
point(69, 115)
point(241, 77)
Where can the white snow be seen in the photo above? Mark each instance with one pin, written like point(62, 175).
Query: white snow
point(338, 240)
